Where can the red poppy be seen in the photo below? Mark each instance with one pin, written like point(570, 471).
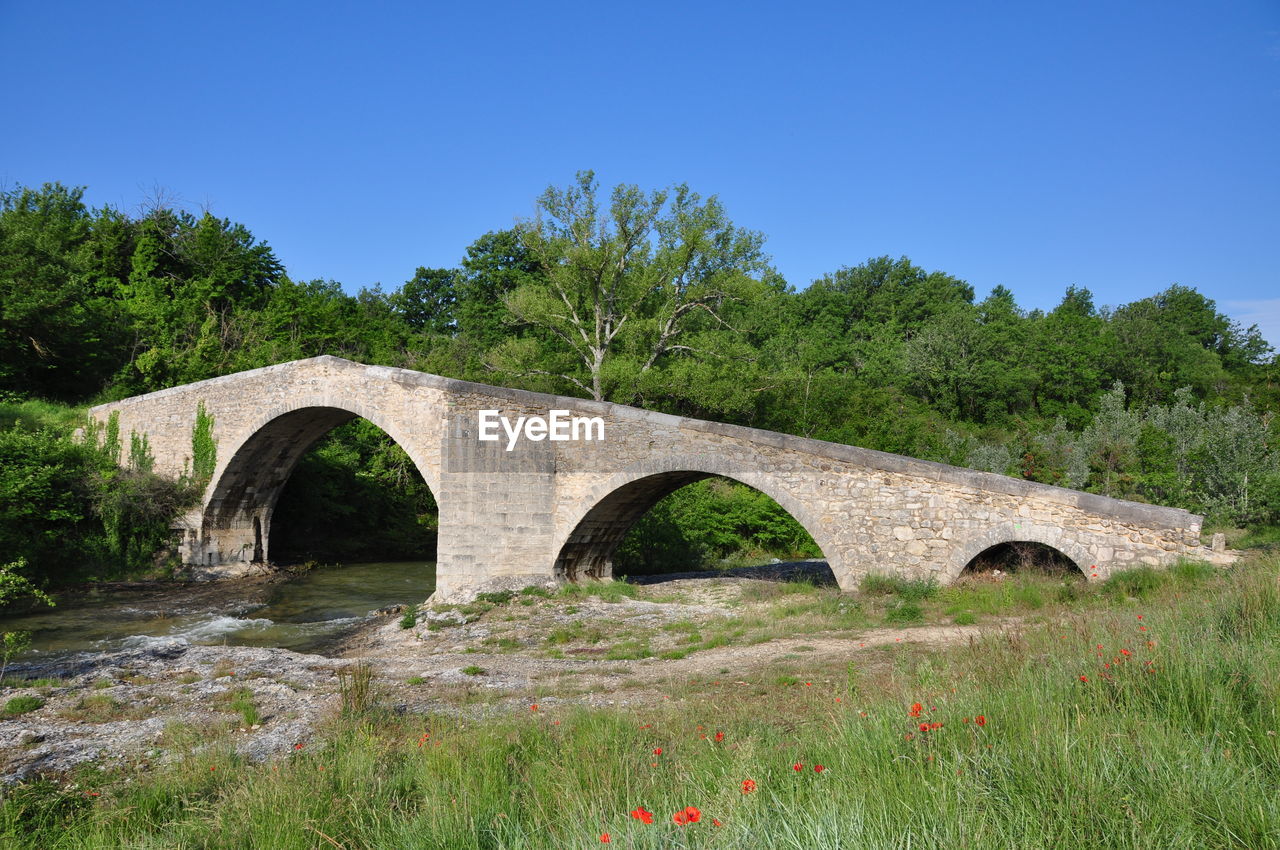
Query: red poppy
point(1142, 628)
point(817, 768)
point(748, 785)
point(680, 818)
point(605, 839)
point(533, 707)
point(1139, 616)
point(719, 737)
point(642, 815)
point(716, 822)
point(1125, 652)
point(981, 720)
point(657, 751)
point(916, 708)
point(924, 727)
point(937, 725)
point(692, 813)
point(1084, 678)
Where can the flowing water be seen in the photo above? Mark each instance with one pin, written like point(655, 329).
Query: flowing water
point(307, 613)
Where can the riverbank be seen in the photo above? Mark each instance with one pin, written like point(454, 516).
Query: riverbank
point(1141, 713)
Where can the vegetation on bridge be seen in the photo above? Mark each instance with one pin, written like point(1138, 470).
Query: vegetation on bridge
point(649, 298)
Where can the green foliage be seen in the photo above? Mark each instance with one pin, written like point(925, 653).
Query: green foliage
point(356, 496)
point(1136, 583)
point(1162, 400)
point(904, 613)
point(409, 620)
point(21, 705)
point(69, 510)
point(906, 589)
point(204, 448)
point(698, 525)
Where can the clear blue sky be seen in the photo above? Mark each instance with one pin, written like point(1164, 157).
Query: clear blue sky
point(1118, 146)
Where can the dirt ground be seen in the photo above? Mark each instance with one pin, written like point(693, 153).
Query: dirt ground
point(613, 644)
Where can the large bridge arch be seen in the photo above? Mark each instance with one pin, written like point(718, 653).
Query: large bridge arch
point(242, 493)
point(590, 529)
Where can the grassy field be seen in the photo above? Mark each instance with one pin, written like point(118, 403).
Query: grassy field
point(1140, 713)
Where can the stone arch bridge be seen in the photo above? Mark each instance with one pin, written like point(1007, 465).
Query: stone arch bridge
point(527, 509)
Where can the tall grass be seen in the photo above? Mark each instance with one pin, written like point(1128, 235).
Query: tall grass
point(1128, 726)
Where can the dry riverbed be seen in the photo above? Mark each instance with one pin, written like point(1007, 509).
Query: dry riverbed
point(608, 645)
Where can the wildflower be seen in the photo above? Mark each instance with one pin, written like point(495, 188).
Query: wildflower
point(937, 725)
point(817, 768)
point(1125, 653)
point(605, 839)
point(1142, 628)
point(981, 720)
point(797, 767)
point(1139, 616)
point(692, 813)
point(716, 822)
point(916, 708)
point(657, 751)
point(924, 727)
point(641, 814)
point(1084, 678)
point(533, 707)
point(748, 785)
point(299, 746)
point(680, 818)
point(907, 737)
point(719, 737)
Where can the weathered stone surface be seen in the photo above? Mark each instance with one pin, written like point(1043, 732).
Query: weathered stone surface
point(547, 511)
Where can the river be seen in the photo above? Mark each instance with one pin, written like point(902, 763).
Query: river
point(310, 612)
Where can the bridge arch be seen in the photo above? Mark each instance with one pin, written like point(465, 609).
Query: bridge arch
point(592, 528)
point(1015, 532)
point(246, 484)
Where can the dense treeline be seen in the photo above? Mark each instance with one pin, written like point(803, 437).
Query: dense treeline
point(659, 300)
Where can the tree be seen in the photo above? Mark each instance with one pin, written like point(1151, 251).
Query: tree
point(59, 333)
point(14, 585)
point(622, 289)
point(428, 301)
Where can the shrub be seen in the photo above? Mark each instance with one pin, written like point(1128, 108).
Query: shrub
point(904, 612)
point(907, 589)
point(409, 620)
point(1139, 582)
point(21, 705)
